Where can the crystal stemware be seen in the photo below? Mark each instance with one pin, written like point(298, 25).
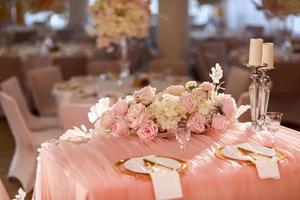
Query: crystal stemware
point(183, 134)
point(273, 120)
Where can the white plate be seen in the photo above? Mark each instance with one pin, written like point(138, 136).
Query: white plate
point(232, 151)
point(137, 164)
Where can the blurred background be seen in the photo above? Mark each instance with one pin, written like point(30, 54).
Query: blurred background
point(49, 47)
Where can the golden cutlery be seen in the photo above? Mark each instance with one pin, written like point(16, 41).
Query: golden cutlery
point(246, 153)
point(150, 163)
point(252, 152)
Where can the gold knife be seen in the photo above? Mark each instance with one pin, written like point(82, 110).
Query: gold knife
point(249, 152)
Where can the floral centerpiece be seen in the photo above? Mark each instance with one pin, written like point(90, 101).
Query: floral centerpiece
point(148, 114)
point(117, 19)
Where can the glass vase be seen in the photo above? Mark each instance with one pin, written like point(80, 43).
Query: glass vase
point(124, 59)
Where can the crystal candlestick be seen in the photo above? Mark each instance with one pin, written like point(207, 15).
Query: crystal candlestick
point(263, 96)
point(254, 95)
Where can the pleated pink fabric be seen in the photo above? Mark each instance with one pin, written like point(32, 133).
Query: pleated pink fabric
point(86, 171)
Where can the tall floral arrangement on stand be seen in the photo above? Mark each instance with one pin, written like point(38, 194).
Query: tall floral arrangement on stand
point(114, 20)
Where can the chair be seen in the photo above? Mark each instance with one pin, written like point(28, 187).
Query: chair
point(233, 43)
point(237, 82)
point(71, 65)
point(255, 31)
point(97, 67)
point(73, 114)
point(285, 93)
point(41, 82)
point(23, 164)
point(3, 192)
point(210, 53)
point(175, 67)
point(12, 87)
point(10, 66)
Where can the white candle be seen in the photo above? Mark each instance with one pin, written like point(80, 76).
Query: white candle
point(255, 52)
point(268, 55)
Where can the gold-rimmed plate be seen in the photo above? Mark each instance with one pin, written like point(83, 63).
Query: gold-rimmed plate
point(280, 155)
point(135, 166)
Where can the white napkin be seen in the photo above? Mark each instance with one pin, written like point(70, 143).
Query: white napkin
point(166, 184)
point(267, 168)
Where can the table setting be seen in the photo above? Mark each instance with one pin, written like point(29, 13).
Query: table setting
point(182, 142)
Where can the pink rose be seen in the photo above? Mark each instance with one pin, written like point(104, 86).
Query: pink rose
point(136, 115)
point(148, 130)
point(207, 87)
point(120, 108)
point(228, 106)
point(106, 120)
point(120, 128)
point(219, 123)
point(197, 123)
point(188, 103)
point(145, 96)
point(199, 92)
point(176, 90)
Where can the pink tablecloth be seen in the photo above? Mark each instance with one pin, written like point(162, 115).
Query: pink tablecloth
point(86, 171)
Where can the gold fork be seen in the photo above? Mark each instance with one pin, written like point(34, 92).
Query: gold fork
point(150, 164)
point(245, 152)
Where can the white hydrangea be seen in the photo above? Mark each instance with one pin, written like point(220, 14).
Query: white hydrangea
point(168, 111)
point(216, 73)
point(97, 109)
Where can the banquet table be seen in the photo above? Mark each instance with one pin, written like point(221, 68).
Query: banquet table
point(68, 170)
point(82, 92)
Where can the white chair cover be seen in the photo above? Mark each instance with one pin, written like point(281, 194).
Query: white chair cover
point(23, 164)
point(237, 82)
point(41, 82)
point(12, 87)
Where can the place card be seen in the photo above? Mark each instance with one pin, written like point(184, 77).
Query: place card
point(267, 168)
point(166, 184)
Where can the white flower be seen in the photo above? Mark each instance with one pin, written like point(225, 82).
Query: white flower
point(216, 73)
point(190, 85)
point(241, 110)
point(129, 98)
point(167, 111)
point(21, 195)
point(97, 109)
point(76, 134)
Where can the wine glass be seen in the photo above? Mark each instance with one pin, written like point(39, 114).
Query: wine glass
point(273, 120)
point(183, 134)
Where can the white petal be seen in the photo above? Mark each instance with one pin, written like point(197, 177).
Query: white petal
point(242, 109)
point(83, 127)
